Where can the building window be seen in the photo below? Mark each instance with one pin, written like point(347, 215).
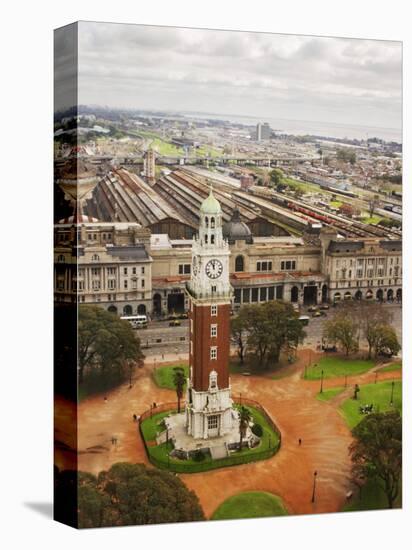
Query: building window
point(264, 266)
point(96, 271)
point(214, 288)
point(212, 422)
point(134, 285)
point(213, 331)
point(288, 265)
point(213, 310)
point(239, 263)
point(111, 271)
point(212, 239)
point(125, 271)
point(255, 294)
point(133, 271)
point(95, 258)
point(61, 258)
point(142, 283)
point(124, 284)
point(184, 269)
point(96, 285)
point(111, 284)
point(142, 270)
point(246, 295)
point(212, 223)
point(213, 353)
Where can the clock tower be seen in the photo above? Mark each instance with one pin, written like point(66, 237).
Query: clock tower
point(209, 411)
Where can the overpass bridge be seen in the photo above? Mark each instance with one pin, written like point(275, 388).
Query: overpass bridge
point(136, 160)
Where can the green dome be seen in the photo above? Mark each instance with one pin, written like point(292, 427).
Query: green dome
point(210, 205)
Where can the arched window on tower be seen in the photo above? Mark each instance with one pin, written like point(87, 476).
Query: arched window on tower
point(212, 239)
point(213, 380)
point(205, 239)
point(239, 263)
point(207, 221)
point(212, 223)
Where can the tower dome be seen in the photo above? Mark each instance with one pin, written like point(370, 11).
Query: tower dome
point(210, 205)
point(236, 230)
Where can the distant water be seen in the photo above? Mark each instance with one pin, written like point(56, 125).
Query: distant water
point(317, 128)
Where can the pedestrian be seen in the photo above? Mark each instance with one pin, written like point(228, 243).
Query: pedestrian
point(154, 404)
point(134, 418)
point(300, 442)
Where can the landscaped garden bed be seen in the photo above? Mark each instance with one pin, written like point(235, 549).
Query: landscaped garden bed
point(160, 455)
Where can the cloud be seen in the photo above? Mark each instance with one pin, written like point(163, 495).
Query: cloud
point(255, 74)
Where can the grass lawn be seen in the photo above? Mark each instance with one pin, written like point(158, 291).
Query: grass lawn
point(151, 426)
point(337, 366)
point(372, 498)
point(391, 368)
point(163, 376)
point(329, 394)
point(372, 220)
point(378, 394)
point(159, 454)
point(304, 186)
point(254, 504)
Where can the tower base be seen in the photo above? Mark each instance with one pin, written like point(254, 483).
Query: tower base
point(186, 445)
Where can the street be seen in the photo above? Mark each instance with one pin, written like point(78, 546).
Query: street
point(160, 339)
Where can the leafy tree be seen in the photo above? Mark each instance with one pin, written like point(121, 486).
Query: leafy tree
point(107, 348)
point(376, 452)
point(179, 381)
point(132, 494)
point(239, 336)
point(276, 177)
point(343, 330)
point(372, 317)
point(386, 341)
point(244, 418)
point(270, 327)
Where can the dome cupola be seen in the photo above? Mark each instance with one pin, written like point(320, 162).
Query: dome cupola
point(236, 230)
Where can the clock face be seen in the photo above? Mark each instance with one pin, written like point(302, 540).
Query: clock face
point(214, 269)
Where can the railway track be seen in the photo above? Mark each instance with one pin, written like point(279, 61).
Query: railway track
point(312, 214)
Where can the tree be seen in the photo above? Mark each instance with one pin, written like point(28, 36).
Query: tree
point(344, 330)
point(276, 177)
point(372, 317)
point(239, 335)
point(270, 328)
point(107, 348)
point(372, 205)
point(386, 341)
point(376, 452)
point(132, 494)
point(179, 380)
point(244, 418)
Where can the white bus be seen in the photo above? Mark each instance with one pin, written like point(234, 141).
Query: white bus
point(137, 321)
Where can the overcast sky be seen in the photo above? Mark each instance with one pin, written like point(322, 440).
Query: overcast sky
point(254, 74)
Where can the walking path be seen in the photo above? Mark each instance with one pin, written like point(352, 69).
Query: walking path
point(292, 403)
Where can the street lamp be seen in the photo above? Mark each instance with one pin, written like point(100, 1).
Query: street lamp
point(393, 385)
point(315, 473)
point(321, 381)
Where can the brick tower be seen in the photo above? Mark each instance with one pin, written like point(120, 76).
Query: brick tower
point(209, 411)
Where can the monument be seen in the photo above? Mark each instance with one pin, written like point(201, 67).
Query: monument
point(210, 421)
